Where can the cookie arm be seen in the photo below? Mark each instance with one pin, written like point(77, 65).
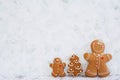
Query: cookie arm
point(87, 56)
point(51, 65)
point(108, 57)
point(64, 64)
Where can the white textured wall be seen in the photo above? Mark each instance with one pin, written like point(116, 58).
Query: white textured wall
point(33, 32)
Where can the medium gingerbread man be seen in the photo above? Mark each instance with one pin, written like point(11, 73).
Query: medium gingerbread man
point(58, 68)
point(97, 60)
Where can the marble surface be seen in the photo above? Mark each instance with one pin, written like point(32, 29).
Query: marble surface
point(33, 32)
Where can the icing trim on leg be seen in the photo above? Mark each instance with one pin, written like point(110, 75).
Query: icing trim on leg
point(104, 73)
point(62, 75)
point(54, 74)
point(89, 73)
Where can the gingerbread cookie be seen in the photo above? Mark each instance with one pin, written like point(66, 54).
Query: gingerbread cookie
point(97, 60)
point(58, 67)
point(74, 66)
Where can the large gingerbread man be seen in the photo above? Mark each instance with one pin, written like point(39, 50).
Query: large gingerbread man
point(58, 67)
point(97, 60)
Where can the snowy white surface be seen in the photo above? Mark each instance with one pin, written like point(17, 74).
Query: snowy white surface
point(33, 32)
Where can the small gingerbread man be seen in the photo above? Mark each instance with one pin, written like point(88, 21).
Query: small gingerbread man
point(58, 68)
point(97, 60)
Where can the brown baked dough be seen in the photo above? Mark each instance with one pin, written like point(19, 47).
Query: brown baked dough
point(97, 60)
point(58, 67)
point(74, 66)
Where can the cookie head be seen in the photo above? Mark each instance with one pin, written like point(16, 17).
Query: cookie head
point(57, 61)
point(74, 58)
point(97, 46)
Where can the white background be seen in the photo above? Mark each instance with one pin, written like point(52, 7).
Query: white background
point(34, 32)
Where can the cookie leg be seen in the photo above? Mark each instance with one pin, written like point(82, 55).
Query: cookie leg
point(91, 73)
point(103, 71)
point(62, 74)
point(103, 74)
point(54, 74)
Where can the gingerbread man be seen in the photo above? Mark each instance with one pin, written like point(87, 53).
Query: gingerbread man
point(97, 60)
point(58, 68)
